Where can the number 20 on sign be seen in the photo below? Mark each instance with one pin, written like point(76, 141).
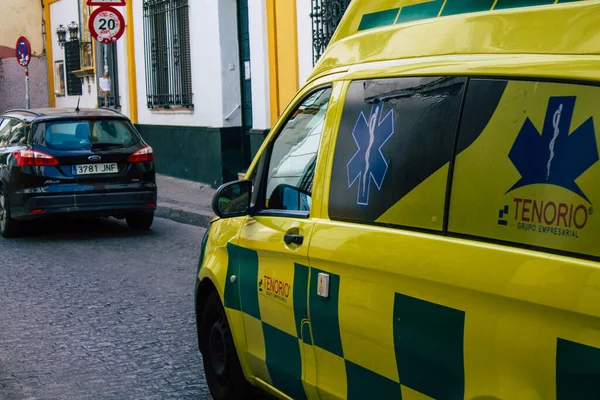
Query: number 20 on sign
point(106, 24)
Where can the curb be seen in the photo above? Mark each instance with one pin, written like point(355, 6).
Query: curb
point(183, 216)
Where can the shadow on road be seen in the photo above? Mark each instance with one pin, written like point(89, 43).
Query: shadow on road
point(78, 229)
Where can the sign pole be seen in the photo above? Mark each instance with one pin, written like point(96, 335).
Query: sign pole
point(106, 25)
point(105, 75)
point(105, 58)
point(27, 98)
point(23, 54)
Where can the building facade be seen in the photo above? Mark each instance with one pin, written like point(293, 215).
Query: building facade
point(203, 80)
point(22, 18)
point(76, 63)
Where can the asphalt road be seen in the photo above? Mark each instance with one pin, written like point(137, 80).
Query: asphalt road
point(93, 310)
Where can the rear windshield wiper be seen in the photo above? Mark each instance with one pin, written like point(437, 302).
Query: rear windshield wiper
point(107, 145)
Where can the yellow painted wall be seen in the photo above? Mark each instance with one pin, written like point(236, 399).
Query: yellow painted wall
point(21, 18)
point(283, 53)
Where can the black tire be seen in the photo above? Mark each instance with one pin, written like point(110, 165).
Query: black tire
point(9, 227)
point(222, 367)
point(140, 222)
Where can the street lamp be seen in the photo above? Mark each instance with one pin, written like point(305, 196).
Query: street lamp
point(73, 30)
point(61, 32)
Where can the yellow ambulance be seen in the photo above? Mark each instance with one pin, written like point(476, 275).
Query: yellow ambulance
point(421, 222)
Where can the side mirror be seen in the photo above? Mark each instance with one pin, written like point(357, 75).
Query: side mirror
point(232, 199)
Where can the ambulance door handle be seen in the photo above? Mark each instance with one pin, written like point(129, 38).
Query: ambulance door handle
point(290, 238)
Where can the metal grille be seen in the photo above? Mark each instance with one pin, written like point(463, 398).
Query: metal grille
point(167, 47)
point(106, 56)
point(326, 16)
point(73, 63)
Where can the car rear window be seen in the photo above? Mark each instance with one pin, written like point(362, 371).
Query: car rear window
point(82, 135)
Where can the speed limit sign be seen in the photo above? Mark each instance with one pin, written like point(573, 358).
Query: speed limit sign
point(106, 24)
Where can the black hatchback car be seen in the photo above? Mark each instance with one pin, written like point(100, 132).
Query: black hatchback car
point(88, 162)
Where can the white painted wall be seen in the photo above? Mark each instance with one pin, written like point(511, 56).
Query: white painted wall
point(62, 13)
point(305, 63)
point(122, 63)
point(21, 18)
point(214, 47)
point(259, 68)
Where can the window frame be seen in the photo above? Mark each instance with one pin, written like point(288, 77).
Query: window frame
point(259, 193)
point(451, 162)
point(37, 131)
point(85, 37)
point(60, 85)
point(176, 74)
point(114, 96)
point(445, 232)
point(500, 242)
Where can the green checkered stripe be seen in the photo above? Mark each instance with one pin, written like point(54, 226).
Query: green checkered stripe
point(283, 357)
point(428, 341)
point(443, 8)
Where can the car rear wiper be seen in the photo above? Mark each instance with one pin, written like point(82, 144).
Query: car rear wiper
point(106, 145)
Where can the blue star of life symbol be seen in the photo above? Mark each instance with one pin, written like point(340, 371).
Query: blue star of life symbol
point(555, 157)
point(368, 165)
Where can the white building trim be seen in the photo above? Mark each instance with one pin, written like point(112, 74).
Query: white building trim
point(305, 56)
point(259, 64)
point(230, 63)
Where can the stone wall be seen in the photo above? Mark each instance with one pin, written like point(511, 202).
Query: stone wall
point(12, 83)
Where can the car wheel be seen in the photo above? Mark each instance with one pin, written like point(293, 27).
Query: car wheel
point(8, 226)
point(222, 368)
point(140, 221)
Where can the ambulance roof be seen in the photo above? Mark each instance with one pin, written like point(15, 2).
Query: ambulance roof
point(382, 30)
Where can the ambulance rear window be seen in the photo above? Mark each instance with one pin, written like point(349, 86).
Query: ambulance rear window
point(394, 145)
point(527, 168)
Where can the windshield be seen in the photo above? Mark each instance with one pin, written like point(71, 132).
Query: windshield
point(83, 135)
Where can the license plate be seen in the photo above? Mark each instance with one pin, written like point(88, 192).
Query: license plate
point(89, 169)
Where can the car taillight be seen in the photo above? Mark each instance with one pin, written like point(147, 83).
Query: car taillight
point(32, 158)
point(145, 154)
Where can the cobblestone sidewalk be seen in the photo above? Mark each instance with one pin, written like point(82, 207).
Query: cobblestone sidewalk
point(184, 201)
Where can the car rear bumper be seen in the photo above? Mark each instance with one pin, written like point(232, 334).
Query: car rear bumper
point(96, 204)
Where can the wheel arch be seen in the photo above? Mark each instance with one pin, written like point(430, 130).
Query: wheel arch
point(212, 275)
point(204, 288)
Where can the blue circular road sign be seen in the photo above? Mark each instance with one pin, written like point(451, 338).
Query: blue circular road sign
point(23, 51)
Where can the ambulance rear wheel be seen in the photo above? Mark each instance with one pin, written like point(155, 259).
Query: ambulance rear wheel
point(222, 367)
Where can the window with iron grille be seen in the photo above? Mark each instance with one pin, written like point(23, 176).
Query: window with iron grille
point(167, 48)
point(73, 63)
point(108, 77)
point(326, 16)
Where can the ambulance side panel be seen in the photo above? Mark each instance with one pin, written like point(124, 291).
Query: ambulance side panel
point(461, 245)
